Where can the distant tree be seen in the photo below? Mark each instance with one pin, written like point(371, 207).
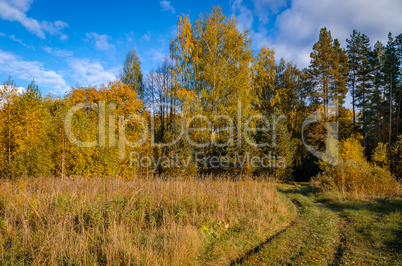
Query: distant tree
point(33, 151)
point(8, 95)
point(391, 74)
point(340, 73)
point(328, 71)
point(264, 77)
point(212, 76)
point(352, 49)
point(365, 80)
point(398, 42)
point(376, 108)
point(131, 73)
point(396, 158)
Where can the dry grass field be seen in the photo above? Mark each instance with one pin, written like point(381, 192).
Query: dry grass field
point(141, 221)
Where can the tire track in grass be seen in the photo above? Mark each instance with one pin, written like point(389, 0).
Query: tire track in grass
point(328, 231)
point(340, 250)
point(314, 237)
point(257, 249)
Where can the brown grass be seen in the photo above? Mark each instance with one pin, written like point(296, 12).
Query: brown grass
point(146, 222)
point(357, 180)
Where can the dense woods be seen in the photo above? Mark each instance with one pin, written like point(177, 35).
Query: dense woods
point(215, 81)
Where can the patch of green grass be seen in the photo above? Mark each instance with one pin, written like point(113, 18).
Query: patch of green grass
point(313, 240)
point(372, 229)
point(332, 231)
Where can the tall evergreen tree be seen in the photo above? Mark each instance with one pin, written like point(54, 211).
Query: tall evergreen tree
point(352, 52)
point(377, 96)
point(364, 82)
point(328, 71)
point(398, 94)
point(340, 73)
point(391, 72)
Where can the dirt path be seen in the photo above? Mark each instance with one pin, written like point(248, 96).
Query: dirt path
point(332, 233)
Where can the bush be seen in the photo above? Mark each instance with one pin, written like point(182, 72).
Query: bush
point(380, 156)
point(354, 176)
point(396, 158)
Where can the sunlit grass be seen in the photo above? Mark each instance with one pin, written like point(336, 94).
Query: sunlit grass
point(142, 221)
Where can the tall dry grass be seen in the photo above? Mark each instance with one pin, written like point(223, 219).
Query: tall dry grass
point(356, 178)
point(358, 181)
point(143, 222)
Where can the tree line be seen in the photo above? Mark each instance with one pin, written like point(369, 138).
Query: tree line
point(215, 81)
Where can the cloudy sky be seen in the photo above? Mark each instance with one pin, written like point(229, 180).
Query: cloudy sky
point(64, 43)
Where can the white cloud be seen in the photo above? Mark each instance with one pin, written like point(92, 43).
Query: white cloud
point(22, 5)
point(296, 28)
point(101, 42)
point(63, 37)
point(13, 65)
point(86, 72)
point(19, 89)
point(245, 17)
point(130, 36)
point(58, 52)
point(147, 36)
point(54, 28)
point(2, 34)
point(13, 38)
point(265, 8)
point(14, 10)
point(167, 6)
point(20, 41)
point(156, 55)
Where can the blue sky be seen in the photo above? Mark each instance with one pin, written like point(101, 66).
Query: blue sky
point(64, 43)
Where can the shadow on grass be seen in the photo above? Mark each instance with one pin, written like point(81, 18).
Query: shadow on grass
point(367, 218)
point(255, 250)
point(361, 221)
point(370, 218)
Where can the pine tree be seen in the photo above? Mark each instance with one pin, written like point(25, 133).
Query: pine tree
point(391, 74)
point(320, 69)
point(364, 82)
point(376, 97)
point(352, 53)
point(328, 71)
point(340, 72)
point(398, 91)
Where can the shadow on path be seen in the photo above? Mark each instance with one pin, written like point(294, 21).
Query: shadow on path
point(259, 247)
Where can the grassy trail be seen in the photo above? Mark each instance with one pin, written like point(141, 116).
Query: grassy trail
point(333, 232)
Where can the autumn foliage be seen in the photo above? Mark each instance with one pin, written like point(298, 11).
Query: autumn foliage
point(216, 84)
